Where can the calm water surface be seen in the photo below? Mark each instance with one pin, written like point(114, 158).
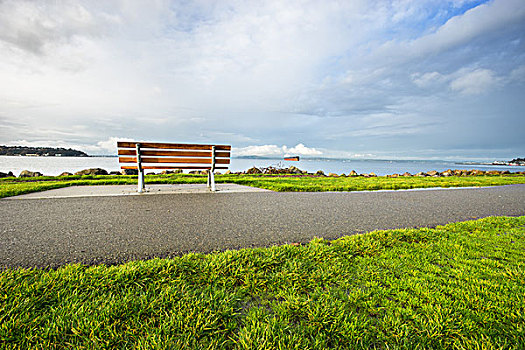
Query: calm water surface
point(57, 165)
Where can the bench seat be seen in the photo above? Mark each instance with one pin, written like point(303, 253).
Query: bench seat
point(154, 155)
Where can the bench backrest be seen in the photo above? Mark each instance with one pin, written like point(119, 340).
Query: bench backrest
point(152, 155)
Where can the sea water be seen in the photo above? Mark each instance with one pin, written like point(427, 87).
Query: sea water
point(55, 165)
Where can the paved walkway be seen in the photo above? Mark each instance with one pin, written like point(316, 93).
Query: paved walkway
point(131, 190)
point(51, 232)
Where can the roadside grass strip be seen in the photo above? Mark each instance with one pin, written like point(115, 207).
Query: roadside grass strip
point(17, 186)
point(459, 286)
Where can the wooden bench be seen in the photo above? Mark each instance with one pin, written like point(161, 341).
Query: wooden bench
point(152, 155)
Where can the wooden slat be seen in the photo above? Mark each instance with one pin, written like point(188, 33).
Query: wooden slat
point(156, 145)
point(130, 152)
point(173, 167)
point(173, 160)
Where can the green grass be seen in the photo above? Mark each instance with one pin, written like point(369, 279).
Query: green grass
point(459, 286)
point(321, 184)
point(17, 186)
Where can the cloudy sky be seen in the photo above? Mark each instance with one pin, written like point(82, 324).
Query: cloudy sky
point(352, 78)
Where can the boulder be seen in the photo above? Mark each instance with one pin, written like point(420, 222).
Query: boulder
point(65, 173)
point(272, 170)
point(406, 174)
point(477, 172)
point(254, 170)
point(27, 173)
point(198, 172)
point(493, 172)
point(114, 172)
point(320, 173)
point(353, 173)
point(228, 172)
point(295, 170)
point(433, 173)
point(372, 175)
point(92, 171)
point(421, 174)
point(393, 175)
point(129, 172)
point(333, 175)
point(9, 174)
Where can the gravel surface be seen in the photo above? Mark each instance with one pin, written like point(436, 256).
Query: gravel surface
point(111, 230)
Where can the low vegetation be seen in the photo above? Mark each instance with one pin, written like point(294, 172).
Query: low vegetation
point(458, 286)
point(15, 186)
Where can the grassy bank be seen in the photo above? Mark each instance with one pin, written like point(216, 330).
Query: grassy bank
point(455, 286)
point(16, 186)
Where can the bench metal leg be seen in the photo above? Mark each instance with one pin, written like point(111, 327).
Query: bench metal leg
point(212, 179)
point(141, 186)
point(208, 180)
point(212, 170)
point(139, 168)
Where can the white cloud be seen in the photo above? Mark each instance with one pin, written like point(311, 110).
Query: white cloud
point(475, 82)
point(262, 151)
point(274, 150)
point(301, 150)
point(477, 22)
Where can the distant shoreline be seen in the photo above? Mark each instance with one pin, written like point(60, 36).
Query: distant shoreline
point(491, 164)
point(40, 151)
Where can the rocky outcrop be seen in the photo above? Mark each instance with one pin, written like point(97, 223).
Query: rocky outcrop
point(292, 170)
point(168, 172)
point(27, 173)
point(92, 171)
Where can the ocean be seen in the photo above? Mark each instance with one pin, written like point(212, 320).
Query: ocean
point(55, 165)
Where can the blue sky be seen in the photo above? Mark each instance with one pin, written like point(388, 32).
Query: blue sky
point(375, 79)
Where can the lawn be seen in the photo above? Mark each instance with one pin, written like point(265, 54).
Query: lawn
point(459, 286)
point(286, 183)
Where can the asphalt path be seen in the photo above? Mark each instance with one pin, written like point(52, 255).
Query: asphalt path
point(111, 230)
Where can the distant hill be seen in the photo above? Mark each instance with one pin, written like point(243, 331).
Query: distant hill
point(40, 151)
